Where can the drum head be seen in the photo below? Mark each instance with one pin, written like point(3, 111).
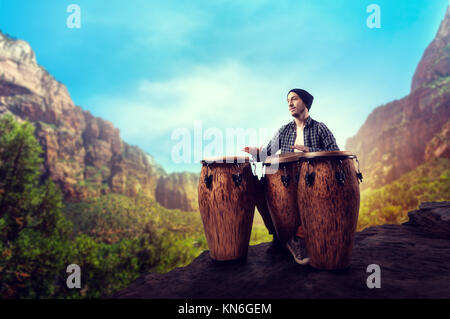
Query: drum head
point(226, 159)
point(284, 158)
point(328, 154)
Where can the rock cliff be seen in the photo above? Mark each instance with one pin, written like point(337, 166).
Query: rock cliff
point(414, 261)
point(83, 154)
point(435, 63)
point(178, 190)
point(399, 136)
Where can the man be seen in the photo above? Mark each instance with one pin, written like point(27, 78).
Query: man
point(303, 134)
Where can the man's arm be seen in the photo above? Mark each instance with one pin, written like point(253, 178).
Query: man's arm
point(327, 139)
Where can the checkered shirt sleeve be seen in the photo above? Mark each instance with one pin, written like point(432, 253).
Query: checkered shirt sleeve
point(319, 138)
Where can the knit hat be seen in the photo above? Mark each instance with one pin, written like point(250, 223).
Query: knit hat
point(305, 96)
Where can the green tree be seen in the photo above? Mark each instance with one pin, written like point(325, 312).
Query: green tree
point(391, 203)
point(33, 231)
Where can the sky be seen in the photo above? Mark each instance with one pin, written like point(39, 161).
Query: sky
point(179, 78)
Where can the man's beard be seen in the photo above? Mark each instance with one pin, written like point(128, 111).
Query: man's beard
point(299, 114)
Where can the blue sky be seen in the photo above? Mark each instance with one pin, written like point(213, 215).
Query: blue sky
point(152, 67)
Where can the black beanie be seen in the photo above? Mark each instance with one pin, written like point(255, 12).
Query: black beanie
point(305, 96)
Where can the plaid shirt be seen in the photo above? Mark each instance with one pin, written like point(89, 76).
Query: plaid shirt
point(317, 137)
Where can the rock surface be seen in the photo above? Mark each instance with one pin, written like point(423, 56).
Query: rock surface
point(403, 134)
point(414, 259)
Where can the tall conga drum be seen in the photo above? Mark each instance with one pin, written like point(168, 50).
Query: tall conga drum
point(281, 184)
point(226, 192)
point(328, 202)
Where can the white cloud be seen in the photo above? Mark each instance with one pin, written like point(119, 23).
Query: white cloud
point(227, 95)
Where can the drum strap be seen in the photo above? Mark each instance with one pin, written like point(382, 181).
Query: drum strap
point(309, 177)
point(237, 178)
point(208, 178)
point(340, 175)
point(285, 178)
point(358, 173)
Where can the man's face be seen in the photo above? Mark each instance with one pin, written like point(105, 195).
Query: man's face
point(296, 105)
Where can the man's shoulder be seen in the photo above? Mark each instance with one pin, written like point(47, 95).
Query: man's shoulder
point(312, 121)
point(317, 124)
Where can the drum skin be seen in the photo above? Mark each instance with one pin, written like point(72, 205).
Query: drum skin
point(329, 212)
point(227, 210)
point(282, 201)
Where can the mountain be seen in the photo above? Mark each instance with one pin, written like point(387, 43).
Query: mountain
point(399, 136)
point(435, 63)
point(178, 190)
point(83, 154)
point(414, 261)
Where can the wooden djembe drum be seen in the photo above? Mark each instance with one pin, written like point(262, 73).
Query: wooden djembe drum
point(280, 191)
point(226, 197)
point(328, 202)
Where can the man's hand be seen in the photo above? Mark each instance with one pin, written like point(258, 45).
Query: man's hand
point(301, 148)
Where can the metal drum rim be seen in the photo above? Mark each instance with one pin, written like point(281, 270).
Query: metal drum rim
point(328, 155)
point(226, 160)
point(289, 158)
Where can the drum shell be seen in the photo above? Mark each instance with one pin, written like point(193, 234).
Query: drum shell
point(282, 201)
point(329, 212)
point(227, 210)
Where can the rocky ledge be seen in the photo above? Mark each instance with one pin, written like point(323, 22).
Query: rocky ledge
point(414, 261)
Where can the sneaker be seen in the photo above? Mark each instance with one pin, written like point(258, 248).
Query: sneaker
point(297, 247)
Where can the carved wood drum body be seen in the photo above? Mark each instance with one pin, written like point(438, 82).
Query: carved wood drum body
point(328, 202)
point(281, 184)
point(226, 197)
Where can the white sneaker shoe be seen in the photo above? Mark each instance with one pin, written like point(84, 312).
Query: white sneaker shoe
point(297, 247)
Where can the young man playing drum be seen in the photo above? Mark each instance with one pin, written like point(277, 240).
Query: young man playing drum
point(303, 134)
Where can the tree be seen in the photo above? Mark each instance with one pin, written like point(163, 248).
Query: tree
point(33, 231)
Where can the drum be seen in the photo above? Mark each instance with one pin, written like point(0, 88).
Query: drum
point(227, 205)
point(280, 191)
point(328, 202)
